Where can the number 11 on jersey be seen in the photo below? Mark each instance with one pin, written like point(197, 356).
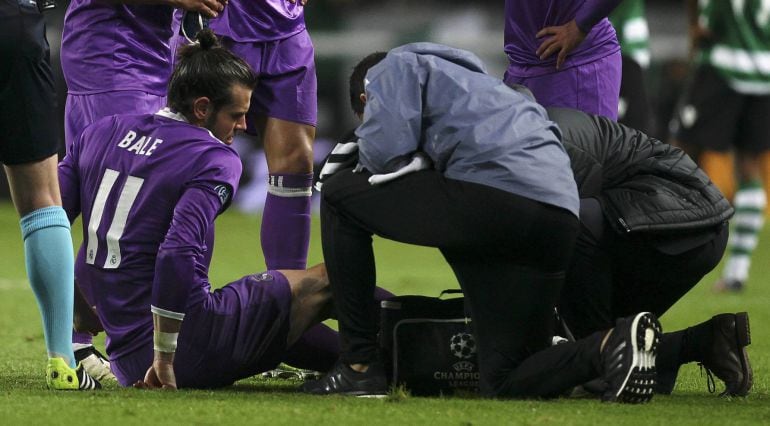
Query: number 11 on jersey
point(117, 224)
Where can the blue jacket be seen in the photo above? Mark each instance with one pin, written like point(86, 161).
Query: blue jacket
point(429, 98)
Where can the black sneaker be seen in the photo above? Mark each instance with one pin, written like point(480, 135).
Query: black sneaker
point(343, 380)
point(85, 381)
point(727, 357)
point(628, 359)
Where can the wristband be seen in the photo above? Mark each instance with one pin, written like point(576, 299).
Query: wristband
point(165, 342)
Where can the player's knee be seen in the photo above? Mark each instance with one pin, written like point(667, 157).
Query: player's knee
point(310, 286)
point(295, 159)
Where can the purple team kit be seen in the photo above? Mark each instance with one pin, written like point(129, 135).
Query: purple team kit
point(129, 174)
point(116, 59)
point(125, 175)
point(590, 77)
point(271, 37)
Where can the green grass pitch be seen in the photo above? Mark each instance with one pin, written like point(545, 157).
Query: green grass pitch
point(402, 269)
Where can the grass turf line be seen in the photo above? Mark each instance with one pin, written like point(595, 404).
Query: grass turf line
point(403, 270)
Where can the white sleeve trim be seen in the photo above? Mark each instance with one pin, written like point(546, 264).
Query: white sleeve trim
point(167, 314)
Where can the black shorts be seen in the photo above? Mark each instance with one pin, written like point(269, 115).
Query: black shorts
point(27, 95)
point(714, 116)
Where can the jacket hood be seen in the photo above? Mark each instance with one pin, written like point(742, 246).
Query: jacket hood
point(460, 57)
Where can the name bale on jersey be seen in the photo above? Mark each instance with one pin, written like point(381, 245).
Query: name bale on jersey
point(145, 145)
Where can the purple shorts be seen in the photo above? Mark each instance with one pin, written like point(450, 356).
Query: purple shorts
point(238, 331)
point(593, 87)
point(82, 110)
point(287, 87)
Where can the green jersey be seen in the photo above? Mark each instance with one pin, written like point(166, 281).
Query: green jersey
point(740, 48)
point(631, 26)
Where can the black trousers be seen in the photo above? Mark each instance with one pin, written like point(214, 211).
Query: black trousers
point(612, 275)
point(509, 254)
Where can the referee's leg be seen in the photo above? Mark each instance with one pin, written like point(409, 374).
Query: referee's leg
point(28, 149)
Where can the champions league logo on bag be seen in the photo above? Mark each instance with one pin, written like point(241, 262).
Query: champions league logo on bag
point(462, 345)
point(465, 374)
point(430, 345)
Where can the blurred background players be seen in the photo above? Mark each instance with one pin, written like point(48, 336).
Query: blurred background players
point(29, 152)
point(271, 36)
point(726, 111)
point(116, 58)
point(566, 52)
point(633, 33)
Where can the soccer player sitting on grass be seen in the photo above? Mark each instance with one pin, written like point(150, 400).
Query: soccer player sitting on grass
point(149, 187)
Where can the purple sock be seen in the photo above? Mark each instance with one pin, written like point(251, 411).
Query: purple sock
point(286, 221)
point(82, 338)
point(317, 349)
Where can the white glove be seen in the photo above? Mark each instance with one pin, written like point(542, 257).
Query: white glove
point(419, 162)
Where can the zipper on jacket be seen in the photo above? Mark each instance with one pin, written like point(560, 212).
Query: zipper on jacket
point(624, 224)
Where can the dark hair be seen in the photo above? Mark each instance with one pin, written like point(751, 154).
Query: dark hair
point(205, 68)
point(357, 79)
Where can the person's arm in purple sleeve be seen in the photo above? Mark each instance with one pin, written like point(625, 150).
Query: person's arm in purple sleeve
point(593, 11)
point(564, 38)
point(175, 277)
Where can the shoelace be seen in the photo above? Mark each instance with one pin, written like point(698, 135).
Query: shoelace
point(710, 383)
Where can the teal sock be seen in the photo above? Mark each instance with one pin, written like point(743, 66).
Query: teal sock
point(50, 268)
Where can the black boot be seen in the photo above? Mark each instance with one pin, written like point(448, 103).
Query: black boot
point(345, 381)
point(726, 357)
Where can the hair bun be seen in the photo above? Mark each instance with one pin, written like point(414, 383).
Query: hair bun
point(207, 39)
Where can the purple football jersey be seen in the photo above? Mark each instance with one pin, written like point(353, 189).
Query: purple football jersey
point(259, 20)
point(525, 18)
point(108, 47)
point(148, 188)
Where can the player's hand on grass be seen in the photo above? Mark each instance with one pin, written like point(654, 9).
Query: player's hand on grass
point(563, 39)
point(161, 374)
point(209, 8)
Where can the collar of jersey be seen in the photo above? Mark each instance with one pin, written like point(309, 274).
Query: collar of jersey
point(168, 113)
point(178, 116)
